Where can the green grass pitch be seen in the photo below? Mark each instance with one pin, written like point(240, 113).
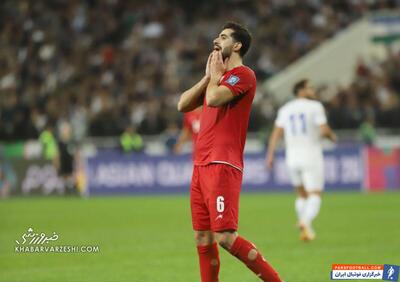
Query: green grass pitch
point(149, 239)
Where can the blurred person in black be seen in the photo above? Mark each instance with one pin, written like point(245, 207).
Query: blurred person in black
point(64, 160)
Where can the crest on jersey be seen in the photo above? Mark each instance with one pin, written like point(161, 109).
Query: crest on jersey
point(233, 79)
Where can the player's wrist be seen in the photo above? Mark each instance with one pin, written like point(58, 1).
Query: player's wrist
point(205, 80)
point(214, 80)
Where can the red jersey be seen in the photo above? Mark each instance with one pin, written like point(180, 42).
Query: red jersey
point(223, 129)
point(191, 121)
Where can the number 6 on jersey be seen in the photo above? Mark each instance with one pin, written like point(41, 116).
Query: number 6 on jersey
point(220, 204)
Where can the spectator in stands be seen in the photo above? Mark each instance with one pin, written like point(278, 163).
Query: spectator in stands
point(371, 99)
point(95, 62)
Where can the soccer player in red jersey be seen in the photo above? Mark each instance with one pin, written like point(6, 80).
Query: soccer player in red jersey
point(226, 93)
point(190, 130)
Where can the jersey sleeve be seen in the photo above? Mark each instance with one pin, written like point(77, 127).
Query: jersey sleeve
point(280, 122)
point(319, 115)
point(239, 81)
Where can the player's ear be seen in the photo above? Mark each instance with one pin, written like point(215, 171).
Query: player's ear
point(237, 46)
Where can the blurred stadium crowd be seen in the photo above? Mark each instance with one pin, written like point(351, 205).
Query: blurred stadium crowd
point(101, 65)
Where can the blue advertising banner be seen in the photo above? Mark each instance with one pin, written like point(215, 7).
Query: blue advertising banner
point(113, 172)
point(118, 173)
point(343, 169)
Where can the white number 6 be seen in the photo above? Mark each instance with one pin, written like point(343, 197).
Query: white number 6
point(220, 204)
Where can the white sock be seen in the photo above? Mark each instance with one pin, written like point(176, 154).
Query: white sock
point(300, 204)
point(311, 210)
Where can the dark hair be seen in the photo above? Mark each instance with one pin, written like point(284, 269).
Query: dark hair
point(300, 85)
point(240, 34)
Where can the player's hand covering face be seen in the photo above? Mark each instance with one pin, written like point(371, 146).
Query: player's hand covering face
point(208, 65)
point(217, 65)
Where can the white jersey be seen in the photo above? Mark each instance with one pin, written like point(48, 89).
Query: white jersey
point(301, 119)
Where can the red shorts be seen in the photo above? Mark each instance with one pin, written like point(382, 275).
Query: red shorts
point(214, 197)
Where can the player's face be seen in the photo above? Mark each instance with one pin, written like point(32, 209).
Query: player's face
point(310, 91)
point(224, 43)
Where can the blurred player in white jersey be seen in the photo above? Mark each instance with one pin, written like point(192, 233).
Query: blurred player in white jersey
point(303, 123)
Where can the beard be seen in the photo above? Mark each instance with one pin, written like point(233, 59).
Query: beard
point(226, 53)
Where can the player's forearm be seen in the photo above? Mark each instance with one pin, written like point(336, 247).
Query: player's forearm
point(332, 136)
point(191, 98)
point(273, 142)
point(271, 147)
point(211, 93)
point(216, 95)
point(327, 132)
point(183, 137)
